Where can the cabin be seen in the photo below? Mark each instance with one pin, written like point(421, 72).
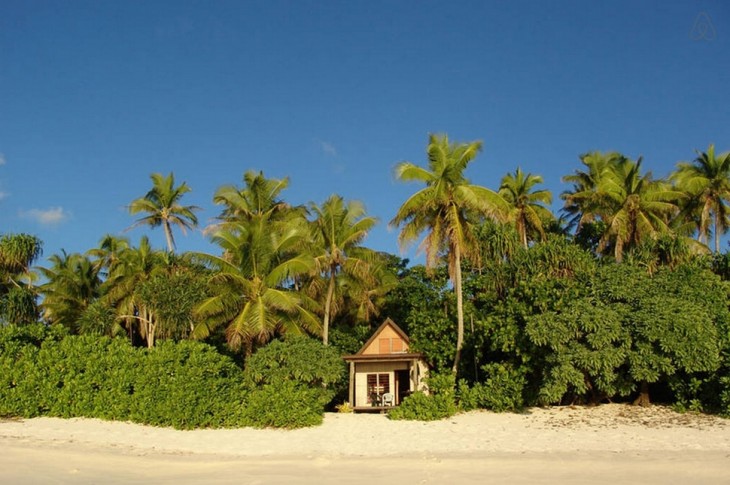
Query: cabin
point(384, 371)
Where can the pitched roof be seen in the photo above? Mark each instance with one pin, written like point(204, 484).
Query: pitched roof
point(376, 334)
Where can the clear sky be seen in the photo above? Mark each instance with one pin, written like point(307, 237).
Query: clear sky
point(97, 95)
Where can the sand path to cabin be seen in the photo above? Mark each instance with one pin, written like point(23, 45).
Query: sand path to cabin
point(607, 444)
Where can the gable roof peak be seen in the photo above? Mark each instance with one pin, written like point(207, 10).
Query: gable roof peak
point(387, 323)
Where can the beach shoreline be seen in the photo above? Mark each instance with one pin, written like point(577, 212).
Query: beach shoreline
point(554, 445)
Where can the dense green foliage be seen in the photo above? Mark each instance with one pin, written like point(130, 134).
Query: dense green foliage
point(297, 359)
point(46, 372)
point(18, 297)
point(617, 299)
point(500, 390)
point(293, 380)
point(184, 385)
point(439, 403)
point(552, 325)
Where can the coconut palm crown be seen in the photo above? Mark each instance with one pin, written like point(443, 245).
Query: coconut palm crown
point(527, 212)
point(706, 181)
point(633, 206)
point(162, 207)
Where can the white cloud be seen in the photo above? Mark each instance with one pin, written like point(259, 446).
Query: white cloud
point(46, 217)
point(328, 148)
point(2, 159)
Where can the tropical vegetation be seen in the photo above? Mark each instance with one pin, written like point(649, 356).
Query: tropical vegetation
point(621, 296)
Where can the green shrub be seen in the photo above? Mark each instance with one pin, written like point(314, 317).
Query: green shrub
point(502, 390)
point(191, 386)
point(441, 384)
point(45, 372)
point(421, 407)
point(291, 382)
point(285, 404)
point(467, 398)
point(438, 404)
point(300, 359)
point(184, 385)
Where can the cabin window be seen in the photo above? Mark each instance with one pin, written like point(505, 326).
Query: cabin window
point(390, 346)
point(384, 345)
point(378, 384)
point(397, 345)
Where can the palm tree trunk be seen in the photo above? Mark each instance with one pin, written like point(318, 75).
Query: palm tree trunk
point(168, 237)
point(522, 230)
point(618, 252)
point(717, 232)
point(150, 329)
point(459, 308)
point(327, 309)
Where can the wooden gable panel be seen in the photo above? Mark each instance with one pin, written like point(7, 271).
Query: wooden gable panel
point(387, 341)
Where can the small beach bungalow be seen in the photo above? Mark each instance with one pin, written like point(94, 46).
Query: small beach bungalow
point(384, 371)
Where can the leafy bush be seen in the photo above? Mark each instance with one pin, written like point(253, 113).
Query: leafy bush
point(185, 385)
point(44, 371)
point(345, 408)
point(691, 393)
point(438, 404)
point(441, 384)
point(502, 390)
point(301, 359)
point(291, 381)
point(588, 346)
point(594, 333)
point(432, 334)
point(285, 404)
point(191, 386)
point(421, 407)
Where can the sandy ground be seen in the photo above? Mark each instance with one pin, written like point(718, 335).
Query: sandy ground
point(606, 444)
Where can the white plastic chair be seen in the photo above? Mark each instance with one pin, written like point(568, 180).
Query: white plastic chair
point(387, 399)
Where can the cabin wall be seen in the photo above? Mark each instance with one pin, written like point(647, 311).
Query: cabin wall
point(421, 370)
point(418, 372)
point(361, 377)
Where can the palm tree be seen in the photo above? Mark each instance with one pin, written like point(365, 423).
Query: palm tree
point(73, 284)
point(582, 202)
point(259, 195)
point(365, 298)
point(249, 284)
point(109, 252)
point(448, 209)
point(706, 181)
point(258, 200)
point(134, 267)
point(526, 212)
point(633, 206)
point(162, 206)
point(262, 238)
point(338, 230)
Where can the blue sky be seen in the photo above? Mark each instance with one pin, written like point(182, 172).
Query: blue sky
point(95, 96)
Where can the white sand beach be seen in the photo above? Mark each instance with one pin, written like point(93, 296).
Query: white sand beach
point(606, 444)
